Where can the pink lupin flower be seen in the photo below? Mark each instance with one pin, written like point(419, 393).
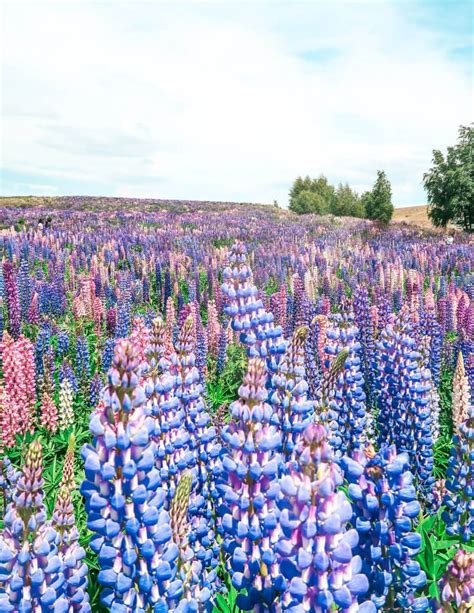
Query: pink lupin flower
point(140, 337)
point(49, 414)
point(213, 328)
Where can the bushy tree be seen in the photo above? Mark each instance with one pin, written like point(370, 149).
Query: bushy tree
point(321, 201)
point(301, 184)
point(450, 183)
point(346, 202)
point(308, 202)
point(378, 203)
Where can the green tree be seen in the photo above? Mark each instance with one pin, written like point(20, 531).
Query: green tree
point(450, 183)
point(301, 184)
point(378, 203)
point(320, 187)
point(308, 202)
point(325, 190)
point(346, 202)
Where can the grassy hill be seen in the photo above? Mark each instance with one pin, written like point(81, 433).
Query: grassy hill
point(415, 215)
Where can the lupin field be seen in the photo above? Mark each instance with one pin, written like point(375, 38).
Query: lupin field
point(222, 408)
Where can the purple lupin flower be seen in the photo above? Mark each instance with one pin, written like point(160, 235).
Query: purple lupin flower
point(124, 500)
point(459, 498)
point(289, 393)
point(248, 315)
point(457, 583)
point(315, 547)
point(71, 554)
point(13, 303)
point(248, 485)
point(184, 445)
point(31, 573)
point(403, 389)
point(381, 487)
point(347, 417)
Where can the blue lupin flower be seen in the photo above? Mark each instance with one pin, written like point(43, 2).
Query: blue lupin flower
point(248, 486)
point(316, 547)
point(403, 389)
point(385, 504)
point(248, 316)
point(124, 500)
point(347, 416)
point(459, 499)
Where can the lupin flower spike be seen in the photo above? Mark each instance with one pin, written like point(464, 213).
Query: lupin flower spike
point(347, 417)
point(457, 584)
point(315, 548)
point(289, 394)
point(248, 485)
point(461, 406)
point(459, 498)
point(382, 489)
point(124, 500)
point(31, 571)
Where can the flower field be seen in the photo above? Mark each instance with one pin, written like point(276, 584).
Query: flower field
point(230, 408)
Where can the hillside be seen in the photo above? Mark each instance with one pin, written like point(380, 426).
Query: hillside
point(415, 215)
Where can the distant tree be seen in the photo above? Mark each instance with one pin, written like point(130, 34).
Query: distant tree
point(346, 202)
point(450, 183)
point(301, 184)
point(378, 203)
point(308, 202)
point(325, 190)
point(275, 204)
point(320, 187)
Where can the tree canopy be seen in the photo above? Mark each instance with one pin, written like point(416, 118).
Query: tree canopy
point(450, 183)
point(378, 202)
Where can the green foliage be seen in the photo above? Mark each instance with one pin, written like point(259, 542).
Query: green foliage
point(308, 202)
point(319, 196)
point(222, 389)
point(347, 202)
point(378, 203)
point(450, 183)
point(311, 195)
point(437, 550)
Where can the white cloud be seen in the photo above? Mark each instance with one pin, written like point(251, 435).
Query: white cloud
point(219, 101)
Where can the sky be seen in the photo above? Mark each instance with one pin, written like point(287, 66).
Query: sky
point(229, 100)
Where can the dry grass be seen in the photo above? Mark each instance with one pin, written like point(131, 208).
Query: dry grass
point(414, 215)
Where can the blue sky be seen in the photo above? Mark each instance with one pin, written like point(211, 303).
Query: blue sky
point(229, 100)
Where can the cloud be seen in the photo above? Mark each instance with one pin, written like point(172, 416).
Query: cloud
point(227, 100)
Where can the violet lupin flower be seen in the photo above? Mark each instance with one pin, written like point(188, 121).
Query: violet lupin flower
point(404, 402)
point(315, 547)
point(365, 325)
point(13, 303)
point(222, 349)
point(173, 454)
point(313, 365)
point(249, 318)
point(9, 475)
point(248, 485)
point(385, 509)
point(459, 499)
point(347, 417)
point(70, 552)
point(124, 500)
point(95, 387)
point(457, 584)
point(31, 574)
point(202, 443)
point(289, 393)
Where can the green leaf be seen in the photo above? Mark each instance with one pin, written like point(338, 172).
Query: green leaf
point(221, 605)
point(433, 590)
